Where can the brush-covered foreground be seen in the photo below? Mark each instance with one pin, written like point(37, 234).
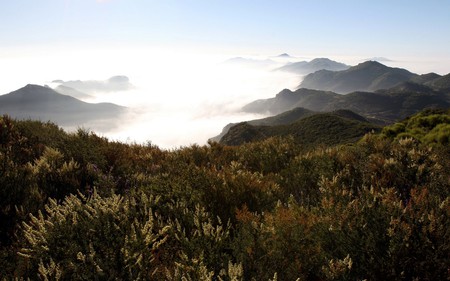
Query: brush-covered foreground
point(80, 207)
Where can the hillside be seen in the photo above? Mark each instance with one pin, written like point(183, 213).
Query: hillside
point(332, 128)
point(287, 117)
point(366, 76)
point(442, 83)
point(304, 67)
point(387, 106)
point(76, 206)
point(429, 127)
point(424, 78)
point(42, 103)
point(286, 100)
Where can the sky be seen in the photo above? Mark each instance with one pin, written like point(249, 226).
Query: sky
point(167, 49)
point(357, 27)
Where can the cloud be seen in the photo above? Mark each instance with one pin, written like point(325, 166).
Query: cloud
point(113, 84)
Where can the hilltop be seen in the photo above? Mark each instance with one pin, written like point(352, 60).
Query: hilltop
point(304, 67)
point(366, 76)
point(307, 128)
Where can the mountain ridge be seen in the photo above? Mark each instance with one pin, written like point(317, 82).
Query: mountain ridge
point(44, 103)
point(304, 67)
point(329, 128)
point(366, 76)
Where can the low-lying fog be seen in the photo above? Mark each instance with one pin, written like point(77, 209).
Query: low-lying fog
point(178, 103)
point(174, 99)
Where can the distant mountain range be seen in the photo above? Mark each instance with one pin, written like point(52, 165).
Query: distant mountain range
point(334, 107)
point(306, 127)
point(44, 103)
point(396, 93)
point(386, 106)
point(113, 84)
point(304, 67)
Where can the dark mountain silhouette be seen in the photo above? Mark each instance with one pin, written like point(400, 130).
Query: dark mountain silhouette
point(304, 67)
point(367, 76)
point(284, 118)
point(286, 100)
point(383, 107)
point(331, 128)
point(442, 83)
point(43, 103)
point(425, 78)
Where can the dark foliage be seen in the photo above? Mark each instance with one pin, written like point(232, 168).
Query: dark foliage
point(77, 206)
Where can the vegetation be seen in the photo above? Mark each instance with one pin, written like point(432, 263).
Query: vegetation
point(429, 127)
point(78, 206)
point(338, 127)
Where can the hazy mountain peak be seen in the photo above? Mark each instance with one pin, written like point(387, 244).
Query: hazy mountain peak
point(379, 59)
point(112, 84)
point(304, 67)
point(71, 92)
point(34, 91)
point(366, 76)
point(284, 92)
point(370, 64)
point(321, 60)
point(43, 103)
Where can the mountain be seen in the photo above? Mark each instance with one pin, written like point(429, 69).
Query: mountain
point(286, 100)
point(284, 55)
point(379, 59)
point(303, 67)
point(425, 78)
point(442, 83)
point(113, 84)
point(366, 76)
point(284, 118)
point(64, 90)
point(43, 103)
point(383, 107)
point(390, 106)
point(321, 128)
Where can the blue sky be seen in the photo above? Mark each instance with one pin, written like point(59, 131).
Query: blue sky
point(356, 27)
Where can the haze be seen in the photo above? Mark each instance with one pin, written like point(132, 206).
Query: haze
point(173, 52)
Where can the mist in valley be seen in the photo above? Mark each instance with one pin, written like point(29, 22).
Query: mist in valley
point(173, 98)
